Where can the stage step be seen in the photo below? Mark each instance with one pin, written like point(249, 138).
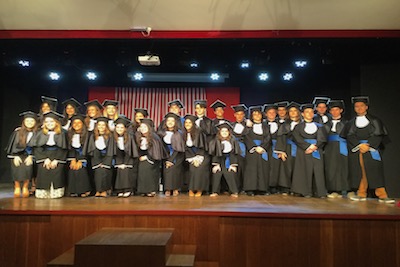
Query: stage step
point(206, 264)
point(182, 256)
point(64, 260)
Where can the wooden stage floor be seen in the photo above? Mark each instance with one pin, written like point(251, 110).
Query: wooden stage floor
point(274, 206)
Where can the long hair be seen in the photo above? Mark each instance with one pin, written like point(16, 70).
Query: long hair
point(64, 120)
point(165, 128)
point(116, 115)
point(98, 114)
point(23, 133)
point(125, 136)
point(220, 138)
point(82, 135)
point(149, 136)
point(57, 129)
point(193, 132)
point(106, 135)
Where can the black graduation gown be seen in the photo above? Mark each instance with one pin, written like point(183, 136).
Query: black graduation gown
point(336, 158)
point(58, 152)
point(125, 177)
point(374, 134)
point(102, 175)
point(214, 123)
point(257, 167)
point(321, 119)
point(199, 177)
point(78, 180)
point(308, 172)
point(286, 144)
point(149, 170)
point(239, 134)
point(206, 126)
point(225, 160)
point(275, 162)
point(14, 149)
point(173, 176)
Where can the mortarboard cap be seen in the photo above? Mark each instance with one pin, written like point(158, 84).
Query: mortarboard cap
point(255, 108)
point(356, 99)
point(142, 111)
point(191, 117)
point(224, 125)
point(147, 121)
point(93, 103)
point(336, 103)
point(109, 102)
point(173, 115)
point(282, 104)
point(320, 99)
point(52, 102)
point(122, 119)
point(28, 114)
point(267, 107)
point(73, 102)
point(306, 106)
point(201, 102)
point(176, 102)
point(218, 104)
point(53, 114)
point(293, 105)
point(240, 107)
point(78, 117)
point(102, 118)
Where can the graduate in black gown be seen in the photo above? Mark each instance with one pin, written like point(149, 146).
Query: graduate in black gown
point(282, 111)
point(71, 108)
point(102, 149)
point(286, 148)
point(151, 153)
point(19, 150)
point(321, 109)
point(258, 143)
point(78, 177)
point(366, 137)
point(110, 111)
point(50, 149)
point(175, 106)
point(172, 167)
point(203, 122)
point(270, 112)
point(336, 152)
point(308, 173)
point(239, 130)
point(196, 156)
point(93, 111)
point(219, 109)
point(126, 153)
point(224, 150)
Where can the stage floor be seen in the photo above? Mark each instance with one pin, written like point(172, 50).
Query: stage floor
point(275, 206)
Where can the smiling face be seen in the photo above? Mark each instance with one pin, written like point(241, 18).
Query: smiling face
point(170, 123)
point(336, 112)
point(308, 114)
point(239, 116)
point(282, 111)
point(188, 125)
point(111, 110)
point(174, 108)
point(92, 111)
point(360, 108)
point(70, 110)
point(271, 114)
point(224, 132)
point(50, 123)
point(120, 129)
point(138, 117)
point(77, 125)
point(200, 110)
point(219, 112)
point(144, 128)
point(257, 116)
point(321, 108)
point(45, 107)
point(101, 127)
point(294, 114)
point(29, 123)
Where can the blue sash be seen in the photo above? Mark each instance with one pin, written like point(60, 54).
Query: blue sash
point(315, 154)
point(51, 148)
point(227, 160)
point(28, 150)
point(342, 143)
point(374, 154)
point(274, 155)
point(293, 146)
point(242, 148)
point(79, 151)
point(194, 149)
point(263, 155)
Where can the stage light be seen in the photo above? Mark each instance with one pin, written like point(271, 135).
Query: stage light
point(138, 76)
point(91, 76)
point(300, 63)
point(245, 65)
point(54, 76)
point(263, 76)
point(287, 76)
point(24, 63)
point(214, 76)
point(194, 64)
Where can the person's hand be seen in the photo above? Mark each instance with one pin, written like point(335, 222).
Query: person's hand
point(143, 158)
point(216, 168)
point(17, 161)
point(364, 148)
point(282, 156)
point(54, 164)
point(168, 164)
point(28, 161)
point(260, 150)
point(232, 169)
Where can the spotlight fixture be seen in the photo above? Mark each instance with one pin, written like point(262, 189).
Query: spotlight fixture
point(214, 76)
point(263, 76)
point(300, 63)
point(91, 76)
point(288, 76)
point(24, 63)
point(194, 64)
point(245, 65)
point(54, 76)
point(138, 76)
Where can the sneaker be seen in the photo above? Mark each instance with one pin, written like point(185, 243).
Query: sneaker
point(120, 194)
point(387, 200)
point(126, 194)
point(213, 195)
point(333, 195)
point(235, 195)
point(358, 198)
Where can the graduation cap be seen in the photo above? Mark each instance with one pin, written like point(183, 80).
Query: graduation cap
point(364, 99)
point(336, 103)
point(147, 121)
point(78, 117)
point(293, 105)
point(73, 102)
point(191, 117)
point(102, 118)
point(142, 111)
point(306, 106)
point(255, 108)
point(108, 102)
point(52, 102)
point(267, 107)
point(28, 114)
point(176, 102)
point(122, 119)
point(93, 103)
point(202, 103)
point(240, 107)
point(173, 115)
point(320, 99)
point(224, 125)
point(282, 104)
point(218, 104)
point(53, 114)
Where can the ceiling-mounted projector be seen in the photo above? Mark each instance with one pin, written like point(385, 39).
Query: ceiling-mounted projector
point(149, 60)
